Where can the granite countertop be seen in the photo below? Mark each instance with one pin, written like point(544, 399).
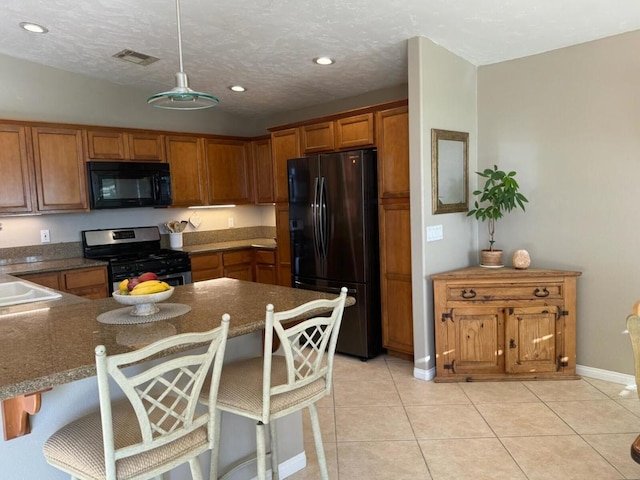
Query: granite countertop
point(24, 266)
point(53, 346)
point(266, 243)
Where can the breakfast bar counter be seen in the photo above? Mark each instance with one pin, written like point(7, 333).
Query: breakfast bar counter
point(44, 348)
point(50, 349)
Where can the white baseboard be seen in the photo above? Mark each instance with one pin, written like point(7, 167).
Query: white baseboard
point(606, 375)
point(597, 373)
point(293, 465)
point(289, 467)
point(424, 374)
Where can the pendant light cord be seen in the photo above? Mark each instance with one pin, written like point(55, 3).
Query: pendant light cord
point(179, 34)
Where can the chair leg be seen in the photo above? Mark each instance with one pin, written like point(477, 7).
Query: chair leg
point(196, 470)
point(261, 451)
point(274, 451)
point(317, 438)
point(215, 451)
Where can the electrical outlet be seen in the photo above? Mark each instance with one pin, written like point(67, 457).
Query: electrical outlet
point(231, 222)
point(45, 236)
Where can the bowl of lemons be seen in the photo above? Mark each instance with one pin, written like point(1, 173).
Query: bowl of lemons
point(143, 293)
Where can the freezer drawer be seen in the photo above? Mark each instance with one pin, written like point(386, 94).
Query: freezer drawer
point(360, 332)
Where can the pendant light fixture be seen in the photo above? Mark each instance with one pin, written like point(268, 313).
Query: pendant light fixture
point(181, 97)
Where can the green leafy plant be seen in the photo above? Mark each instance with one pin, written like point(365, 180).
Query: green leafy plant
point(500, 194)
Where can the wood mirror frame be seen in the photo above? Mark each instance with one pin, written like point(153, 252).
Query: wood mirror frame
point(449, 171)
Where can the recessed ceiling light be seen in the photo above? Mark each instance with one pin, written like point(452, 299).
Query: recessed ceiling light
point(33, 27)
point(237, 88)
point(323, 60)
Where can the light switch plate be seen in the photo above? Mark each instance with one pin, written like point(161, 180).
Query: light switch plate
point(434, 232)
point(45, 236)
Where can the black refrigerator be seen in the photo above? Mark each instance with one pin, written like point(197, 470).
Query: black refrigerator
point(333, 223)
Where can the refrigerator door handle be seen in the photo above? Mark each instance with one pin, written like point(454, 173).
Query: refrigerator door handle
point(310, 286)
point(314, 218)
point(324, 215)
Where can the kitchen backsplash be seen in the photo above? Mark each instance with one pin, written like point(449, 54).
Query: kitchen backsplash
point(57, 251)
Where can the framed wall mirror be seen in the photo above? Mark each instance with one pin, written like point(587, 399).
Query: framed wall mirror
point(449, 171)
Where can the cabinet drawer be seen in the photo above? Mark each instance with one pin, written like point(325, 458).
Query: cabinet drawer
point(265, 257)
point(235, 258)
point(84, 278)
point(205, 262)
point(489, 292)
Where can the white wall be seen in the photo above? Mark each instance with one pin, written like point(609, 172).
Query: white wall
point(21, 231)
point(569, 122)
point(442, 95)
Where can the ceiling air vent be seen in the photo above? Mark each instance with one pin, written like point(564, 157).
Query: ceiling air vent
point(135, 57)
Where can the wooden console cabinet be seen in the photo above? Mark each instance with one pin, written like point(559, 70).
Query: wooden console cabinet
point(505, 324)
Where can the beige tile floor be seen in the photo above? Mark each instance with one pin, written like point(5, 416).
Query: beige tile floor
point(381, 423)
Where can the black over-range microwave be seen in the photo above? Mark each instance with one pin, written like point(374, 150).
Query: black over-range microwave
point(129, 184)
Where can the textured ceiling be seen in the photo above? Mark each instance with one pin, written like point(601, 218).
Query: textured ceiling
point(267, 45)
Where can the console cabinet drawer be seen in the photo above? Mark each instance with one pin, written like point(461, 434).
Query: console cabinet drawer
point(492, 292)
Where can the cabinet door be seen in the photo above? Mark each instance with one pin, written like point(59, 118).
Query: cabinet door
point(61, 181)
point(319, 137)
point(238, 264)
point(283, 256)
point(285, 144)
point(263, 171)
point(188, 172)
point(393, 152)
point(265, 267)
point(229, 172)
point(106, 145)
point(89, 283)
point(476, 340)
point(534, 339)
point(354, 132)
point(50, 280)
point(15, 164)
point(395, 277)
point(145, 147)
point(206, 266)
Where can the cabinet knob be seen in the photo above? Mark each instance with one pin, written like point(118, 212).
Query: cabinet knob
point(541, 292)
point(468, 294)
point(512, 343)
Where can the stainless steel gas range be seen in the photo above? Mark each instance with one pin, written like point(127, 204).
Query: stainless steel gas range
point(132, 251)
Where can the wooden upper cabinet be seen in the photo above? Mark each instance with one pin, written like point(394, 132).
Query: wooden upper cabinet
point(188, 172)
point(106, 145)
point(393, 152)
point(285, 144)
point(229, 171)
point(15, 164)
point(355, 132)
point(61, 181)
point(319, 137)
point(263, 171)
point(123, 145)
point(145, 147)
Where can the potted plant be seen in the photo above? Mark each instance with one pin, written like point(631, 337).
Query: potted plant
point(500, 194)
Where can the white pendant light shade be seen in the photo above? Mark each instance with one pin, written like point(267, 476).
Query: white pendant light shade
point(181, 97)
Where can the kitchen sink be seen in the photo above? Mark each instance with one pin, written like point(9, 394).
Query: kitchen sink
point(14, 293)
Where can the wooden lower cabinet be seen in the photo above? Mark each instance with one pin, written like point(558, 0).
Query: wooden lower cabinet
point(238, 264)
point(395, 278)
point(265, 267)
point(245, 264)
point(501, 324)
point(92, 282)
point(206, 266)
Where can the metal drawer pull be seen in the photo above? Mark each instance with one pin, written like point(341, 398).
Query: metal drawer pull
point(541, 292)
point(470, 294)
